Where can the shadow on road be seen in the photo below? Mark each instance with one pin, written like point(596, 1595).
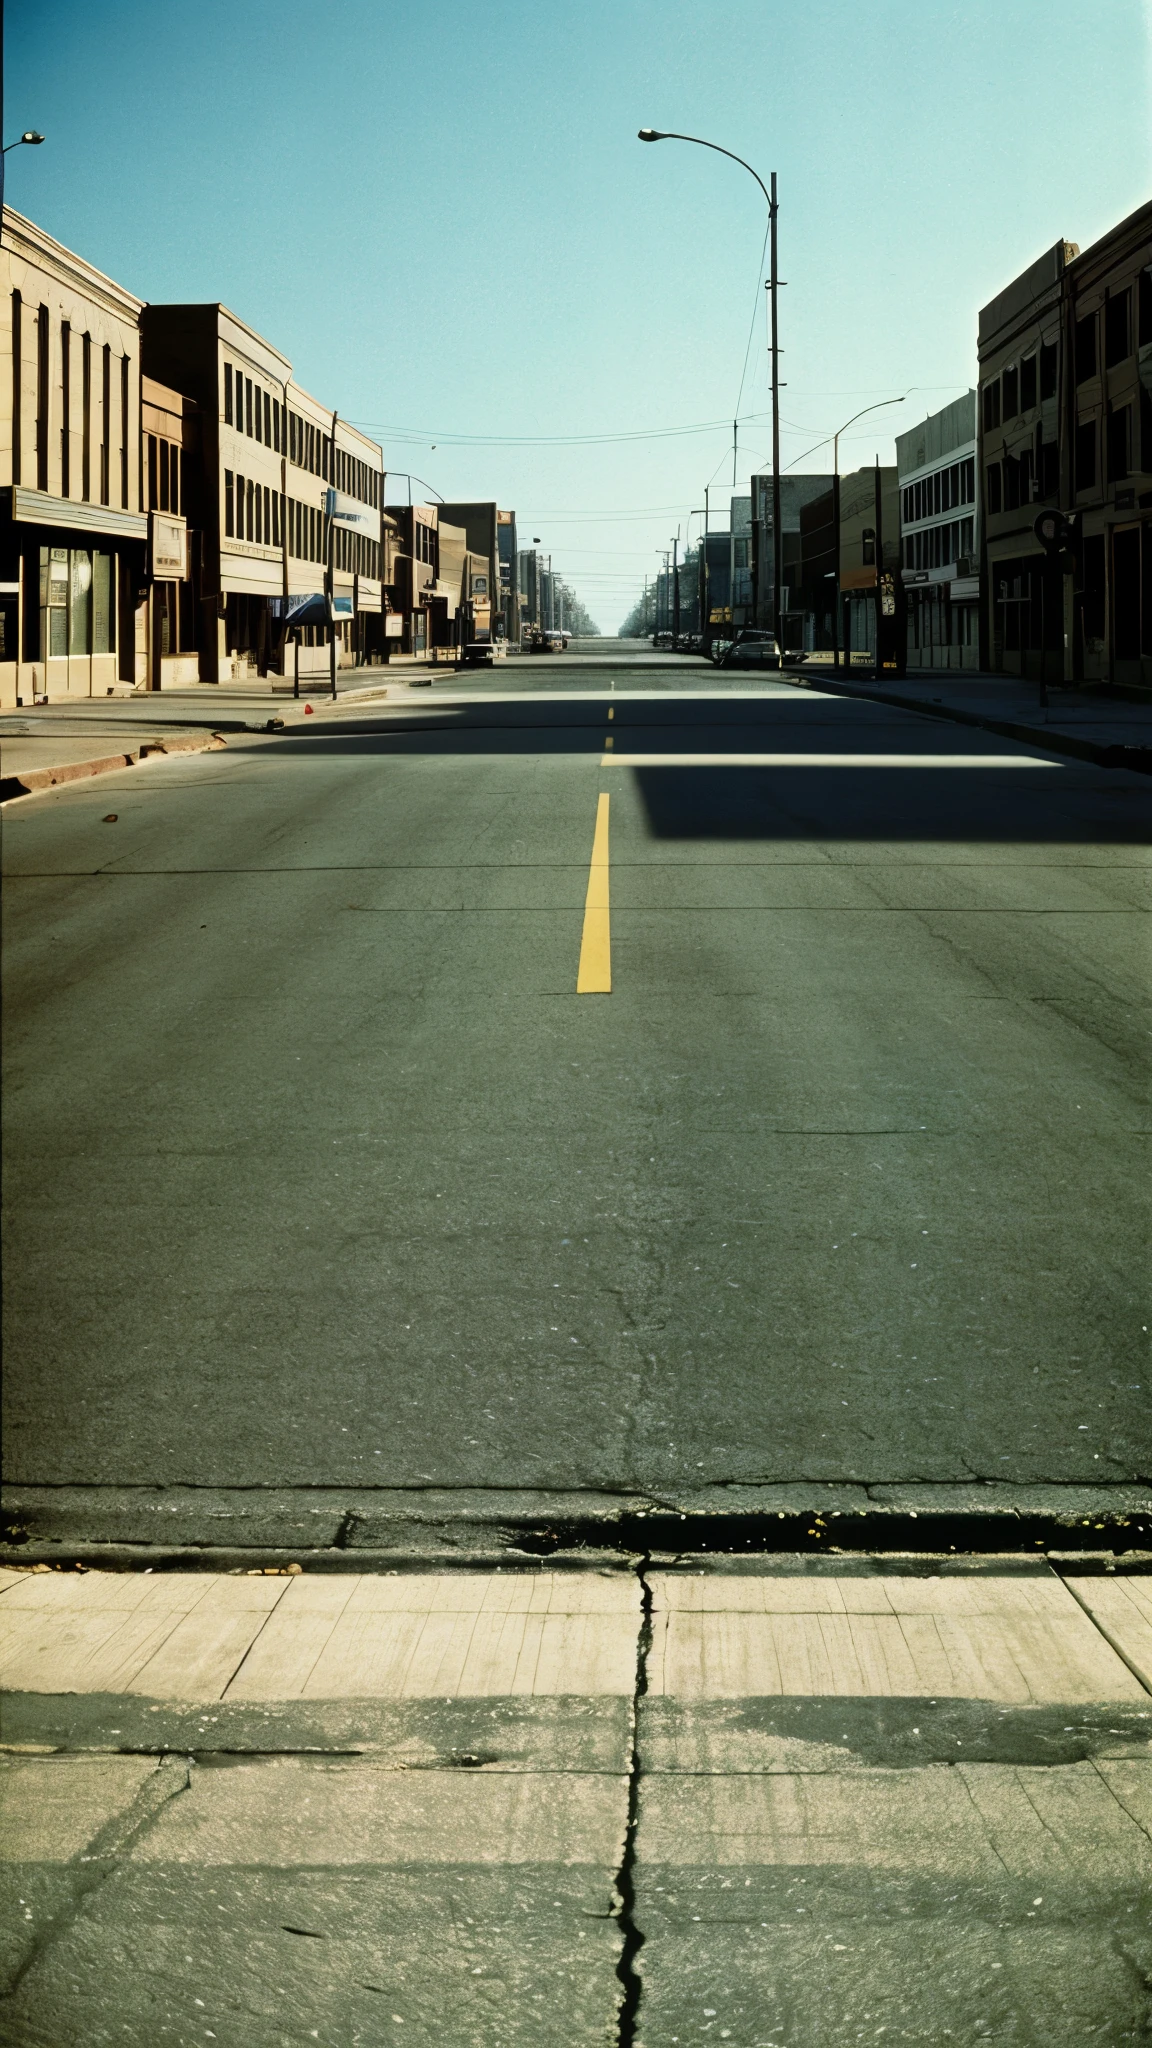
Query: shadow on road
point(1068, 802)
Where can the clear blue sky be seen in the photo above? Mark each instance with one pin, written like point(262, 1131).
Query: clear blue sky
point(442, 215)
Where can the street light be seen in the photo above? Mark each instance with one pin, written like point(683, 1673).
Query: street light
point(658, 135)
point(32, 136)
point(878, 407)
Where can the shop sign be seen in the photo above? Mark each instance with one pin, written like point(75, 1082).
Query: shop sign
point(345, 511)
point(168, 544)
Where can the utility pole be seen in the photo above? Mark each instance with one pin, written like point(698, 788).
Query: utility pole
point(704, 575)
point(331, 593)
point(777, 522)
point(676, 593)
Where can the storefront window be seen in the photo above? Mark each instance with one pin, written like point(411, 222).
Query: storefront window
point(77, 608)
point(80, 625)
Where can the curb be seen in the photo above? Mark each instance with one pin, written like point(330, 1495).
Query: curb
point(47, 1524)
point(30, 780)
point(1049, 738)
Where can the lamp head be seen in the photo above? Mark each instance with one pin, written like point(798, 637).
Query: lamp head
point(650, 135)
point(30, 135)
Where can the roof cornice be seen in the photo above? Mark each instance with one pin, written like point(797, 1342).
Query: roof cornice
point(23, 238)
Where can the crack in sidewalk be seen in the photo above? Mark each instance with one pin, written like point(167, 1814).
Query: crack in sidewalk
point(627, 1972)
point(102, 1856)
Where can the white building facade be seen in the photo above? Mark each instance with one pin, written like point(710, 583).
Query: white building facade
point(940, 537)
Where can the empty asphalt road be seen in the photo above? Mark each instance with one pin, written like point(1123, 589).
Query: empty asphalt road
point(322, 1175)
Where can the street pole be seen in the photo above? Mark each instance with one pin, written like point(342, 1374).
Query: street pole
point(656, 135)
point(777, 534)
point(704, 576)
point(676, 594)
point(332, 569)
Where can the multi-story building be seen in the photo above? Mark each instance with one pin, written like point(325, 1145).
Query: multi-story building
point(1066, 426)
point(483, 619)
point(168, 630)
point(269, 455)
point(940, 537)
point(795, 493)
point(413, 591)
point(509, 588)
point(851, 597)
point(73, 528)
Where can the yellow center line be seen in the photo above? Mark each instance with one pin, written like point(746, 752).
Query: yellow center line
point(594, 974)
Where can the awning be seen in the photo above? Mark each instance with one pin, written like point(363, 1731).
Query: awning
point(38, 508)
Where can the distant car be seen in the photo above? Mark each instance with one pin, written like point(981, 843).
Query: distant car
point(751, 650)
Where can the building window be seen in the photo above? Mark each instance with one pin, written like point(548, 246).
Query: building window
point(86, 419)
point(65, 409)
point(994, 487)
point(969, 481)
point(267, 516)
point(17, 350)
point(1117, 328)
point(106, 425)
point(1048, 369)
point(1011, 385)
point(42, 385)
point(1028, 383)
point(124, 431)
point(1011, 483)
point(153, 473)
point(80, 603)
point(1119, 429)
point(228, 394)
point(1145, 305)
point(276, 424)
point(1085, 455)
point(1086, 348)
point(249, 510)
point(1050, 469)
point(267, 420)
point(248, 406)
point(1093, 571)
point(229, 513)
point(992, 404)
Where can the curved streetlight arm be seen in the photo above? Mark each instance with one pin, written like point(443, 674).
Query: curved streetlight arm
point(655, 135)
point(878, 407)
point(29, 136)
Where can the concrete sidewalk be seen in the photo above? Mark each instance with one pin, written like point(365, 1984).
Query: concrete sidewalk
point(788, 1801)
point(33, 760)
point(1109, 731)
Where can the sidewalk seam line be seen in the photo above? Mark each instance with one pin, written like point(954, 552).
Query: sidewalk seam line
point(1109, 1638)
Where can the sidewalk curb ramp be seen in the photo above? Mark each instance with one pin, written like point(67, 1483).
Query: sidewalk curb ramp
point(29, 780)
point(1050, 738)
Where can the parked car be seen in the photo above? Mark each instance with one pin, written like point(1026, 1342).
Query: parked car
point(750, 650)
